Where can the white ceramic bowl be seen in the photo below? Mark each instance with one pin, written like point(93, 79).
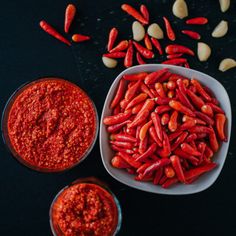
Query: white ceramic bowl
point(206, 180)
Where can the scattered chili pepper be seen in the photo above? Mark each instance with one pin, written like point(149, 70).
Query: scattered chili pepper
point(141, 97)
point(115, 55)
point(175, 48)
point(220, 126)
point(50, 30)
point(120, 149)
point(169, 30)
point(192, 34)
point(157, 45)
point(188, 124)
point(169, 182)
point(191, 137)
point(160, 90)
point(123, 45)
point(198, 121)
point(77, 38)
point(123, 104)
point(122, 144)
point(172, 56)
point(140, 59)
point(119, 94)
point(181, 108)
point(135, 77)
point(200, 129)
point(183, 98)
point(146, 90)
point(112, 38)
point(163, 108)
point(131, 11)
point(116, 110)
point(148, 42)
point(128, 61)
point(201, 148)
point(143, 145)
point(166, 151)
point(173, 124)
point(145, 12)
point(140, 117)
point(179, 152)
point(208, 152)
point(197, 21)
point(213, 141)
point(215, 108)
point(175, 61)
point(69, 16)
point(143, 51)
point(174, 135)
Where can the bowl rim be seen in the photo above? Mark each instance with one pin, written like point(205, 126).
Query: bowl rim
point(147, 67)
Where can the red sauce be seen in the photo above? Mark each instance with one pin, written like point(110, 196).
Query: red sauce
point(51, 124)
point(84, 209)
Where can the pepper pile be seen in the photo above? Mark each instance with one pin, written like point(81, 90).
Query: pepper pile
point(164, 127)
point(70, 13)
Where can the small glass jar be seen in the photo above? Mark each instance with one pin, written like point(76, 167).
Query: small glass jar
point(5, 134)
point(56, 209)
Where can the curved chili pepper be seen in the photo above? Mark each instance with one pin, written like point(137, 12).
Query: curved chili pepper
point(119, 93)
point(157, 45)
point(181, 108)
point(145, 12)
point(146, 90)
point(201, 147)
point(135, 77)
point(147, 153)
point(220, 126)
point(118, 126)
point(166, 150)
point(213, 141)
point(175, 61)
point(128, 61)
point(143, 51)
point(207, 110)
point(201, 90)
point(169, 30)
point(165, 118)
point(131, 11)
point(163, 108)
point(120, 149)
point(69, 16)
point(179, 152)
point(172, 56)
point(183, 98)
point(156, 166)
point(172, 125)
point(165, 77)
point(137, 108)
point(112, 38)
point(189, 149)
point(115, 55)
point(141, 97)
point(188, 124)
point(198, 121)
point(129, 159)
point(176, 48)
point(123, 45)
point(197, 101)
point(143, 167)
point(147, 42)
point(144, 129)
point(149, 105)
point(162, 101)
point(175, 161)
point(204, 117)
point(140, 117)
point(179, 140)
point(130, 93)
point(191, 34)
point(169, 182)
point(123, 138)
point(153, 135)
point(143, 145)
point(51, 31)
point(140, 59)
point(216, 108)
point(123, 104)
point(78, 38)
point(119, 118)
point(119, 163)
point(154, 76)
point(122, 144)
point(157, 124)
point(200, 129)
point(174, 135)
point(160, 90)
point(197, 21)
point(142, 178)
point(158, 175)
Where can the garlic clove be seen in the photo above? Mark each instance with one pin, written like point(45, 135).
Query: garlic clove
point(203, 51)
point(224, 5)
point(138, 31)
point(155, 31)
point(227, 64)
point(220, 30)
point(109, 62)
point(180, 9)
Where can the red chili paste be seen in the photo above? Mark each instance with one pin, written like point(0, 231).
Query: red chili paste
point(51, 124)
point(84, 209)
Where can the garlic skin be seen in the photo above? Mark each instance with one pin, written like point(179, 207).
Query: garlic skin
point(227, 64)
point(220, 30)
point(224, 5)
point(180, 9)
point(109, 62)
point(203, 51)
point(155, 31)
point(138, 31)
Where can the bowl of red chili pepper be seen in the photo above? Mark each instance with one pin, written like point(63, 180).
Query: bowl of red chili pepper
point(163, 130)
point(85, 207)
point(50, 125)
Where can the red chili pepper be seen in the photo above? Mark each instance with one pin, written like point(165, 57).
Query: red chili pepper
point(122, 144)
point(166, 151)
point(144, 129)
point(146, 154)
point(141, 97)
point(179, 152)
point(201, 90)
point(119, 163)
point(188, 124)
point(213, 141)
point(119, 93)
point(201, 148)
point(208, 152)
point(197, 21)
point(69, 16)
point(140, 117)
point(165, 77)
point(175, 61)
point(135, 77)
point(169, 182)
point(153, 135)
point(175, 77)
point(123, 138)
point(184, 100)
point(174, 135)
point(78, 38)
point(172, 56)
point(131, 11)
point(115, 55)
point(158, 176)
point(148, 105)
point(130, 93)
point(145, 12)
point(154, 76)
point(165, 119)
point(148, 42)
point(181, 86)
point(121, 117)
point(200, 129)
point(143, 51)
point(160, 90)
point(186, 65)
point(143, 145)
point(128, 61)
point(157, 124)
point(172, 125)
point(117, 127)
point(164, 179)
point(142, 178)
point(50, 30)
point(157, 45)
point(207, 110)
point(198, 121)
point(197, 101)
point(123, 104)
point(169, 30)
point(112, 38)
point(120, 149)
point(191, 137)
point(175, 48)
point(146, 90)
point(169, 171)
point(215, 108)
point(129, 159)
point(191, 34)
point(137, 108)
point(123, 45)
point(143, 167)
point(116, 110)
point(220, 126)
point(204, 117)
point(163, 108)
point(140, 59)
point(162, 101)
point(189, 149)
point(179, 140)
point(175, 161)
point(181, 108)
point(130, 131)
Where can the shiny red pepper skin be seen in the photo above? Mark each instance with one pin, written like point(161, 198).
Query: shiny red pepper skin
point(121, 144)
point(140, 59)
point(157, 45)
point(191, 137)
point(78, 38)
point(51, 31)
point(201, 90)
point(172, 56)
point(131, 11)
point(115, 55)
point(147, 153)
point(130, 93)
point(181, 108)
point(175, 161)
point(153, 135)
point(166, 150)
point(192, 34)
point(175, 61)
point(220, 126)
point(179, 140)
point(200, 129)
point(179, 152)
point(213, 141)
point(123, 45)
point(119, 163)
point(140, 117)
point(163, 108)
point(148, 42)
point(130, 160)
point(144, 130)
point(119, 93)
point(69, 17)
point(143, 145)
point(197, 101)
point(120, 149)
point(158, 176)
point(135, 77)
point(169, 30)
point(145, 12)
point(197, 21)
point(172, 125)
point(128, 61)
point(119, 118)
point(141, 97)
point(154, 76)
point(160, 90)
point(157, 124)
point(118, 126)
point(112, 38)
point(175, 48)
point(215, 108)
point(204, 117)
point(189, 149)
point(207, 110)
point(174, 135)
point(123, 138)
point(188, 124)
point(143, 51)
point(184, 100)
point(165, 118)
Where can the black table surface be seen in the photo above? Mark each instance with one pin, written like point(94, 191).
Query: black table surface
point(27, 53)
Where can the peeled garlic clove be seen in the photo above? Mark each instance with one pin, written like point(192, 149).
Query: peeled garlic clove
point(203, 51)
point(155, 31)
point(227, 64)
point(138, 31)
point(109, 62)
point(220, 30)
point(180, 9)
point(224, 5)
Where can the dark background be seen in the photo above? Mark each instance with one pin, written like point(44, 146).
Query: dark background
point(27, 53)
